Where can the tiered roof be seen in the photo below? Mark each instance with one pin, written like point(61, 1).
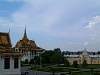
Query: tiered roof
point(6, 46)
point(27, 44)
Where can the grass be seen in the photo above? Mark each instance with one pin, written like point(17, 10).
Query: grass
point(93, 66)
point(67, 69)
point(74, 71)
point(88, 66)
point(51, 69)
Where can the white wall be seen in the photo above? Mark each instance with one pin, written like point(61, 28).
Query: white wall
point(10, 71)
point(28, 55)
point(73, 59)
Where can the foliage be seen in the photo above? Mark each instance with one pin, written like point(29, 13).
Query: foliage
point(26, 61)
point(52, 57)
point(66, 63)
point(32, 61)
point(84, 64)
point(36, 60)
point(75, 64)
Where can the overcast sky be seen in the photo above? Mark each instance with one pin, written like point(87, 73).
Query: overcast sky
point(65, 24)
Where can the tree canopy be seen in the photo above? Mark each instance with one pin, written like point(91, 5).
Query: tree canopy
point(52, 57)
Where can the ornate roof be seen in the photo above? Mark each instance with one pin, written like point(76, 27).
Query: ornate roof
point(26, 43)
point(5, 45)
point(5, 41)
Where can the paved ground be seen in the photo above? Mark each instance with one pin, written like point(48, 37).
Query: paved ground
point(30, 72)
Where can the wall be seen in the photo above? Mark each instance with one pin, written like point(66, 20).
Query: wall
point(10, 71)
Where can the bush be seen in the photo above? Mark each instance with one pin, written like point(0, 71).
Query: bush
point(75, 64)
point(26, 61)
point(84, 64)
point(32, 61)
point(66, 63)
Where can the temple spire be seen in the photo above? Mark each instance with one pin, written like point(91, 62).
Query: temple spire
point(9, 30)
point(25, 34)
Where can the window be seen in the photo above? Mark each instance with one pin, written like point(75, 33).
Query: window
point(16, 50)
point(32, 52)
point(16, 63)
point(6, 63)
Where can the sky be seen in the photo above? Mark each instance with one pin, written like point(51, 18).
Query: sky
point(66, 24)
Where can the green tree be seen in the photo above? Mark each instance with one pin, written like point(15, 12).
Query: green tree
point(37, 60)
point(22, 63)
point(52, 57)
point(56, 58)
point(84, 64)
point(66, 63)
point(75, 64)
point(32, 61)
point(26, 61)
point(58, 50)
point(45, 57)
point(59, 57)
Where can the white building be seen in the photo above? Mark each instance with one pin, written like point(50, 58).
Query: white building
point(9, 59)
point(28, 48)
point(80, 56)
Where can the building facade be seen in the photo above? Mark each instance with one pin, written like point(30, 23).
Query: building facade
point(9, 58)
point(81, 56)
point(28, 48)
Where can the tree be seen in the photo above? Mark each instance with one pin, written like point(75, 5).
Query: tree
point(32, 61)
point(52, 57)
point(37, 60)
point(66, 63)
point(75, 64)
point(22, 63)
point(58, 50)
point(59, 57)
point(45, 57)
point(26, 61)
point(84, 64)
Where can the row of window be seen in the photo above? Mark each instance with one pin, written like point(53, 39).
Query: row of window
point(7, 63)
point(78, 53)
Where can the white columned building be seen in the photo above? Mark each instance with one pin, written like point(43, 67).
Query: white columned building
point(80, 56)
point(9, 58)
point(28, 47)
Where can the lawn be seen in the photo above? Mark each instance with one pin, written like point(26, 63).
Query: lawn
point(72, 70)
point(93, 66)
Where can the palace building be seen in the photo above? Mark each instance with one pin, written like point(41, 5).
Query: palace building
point(81, 56)
point(28, 47)
point(9, 58)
